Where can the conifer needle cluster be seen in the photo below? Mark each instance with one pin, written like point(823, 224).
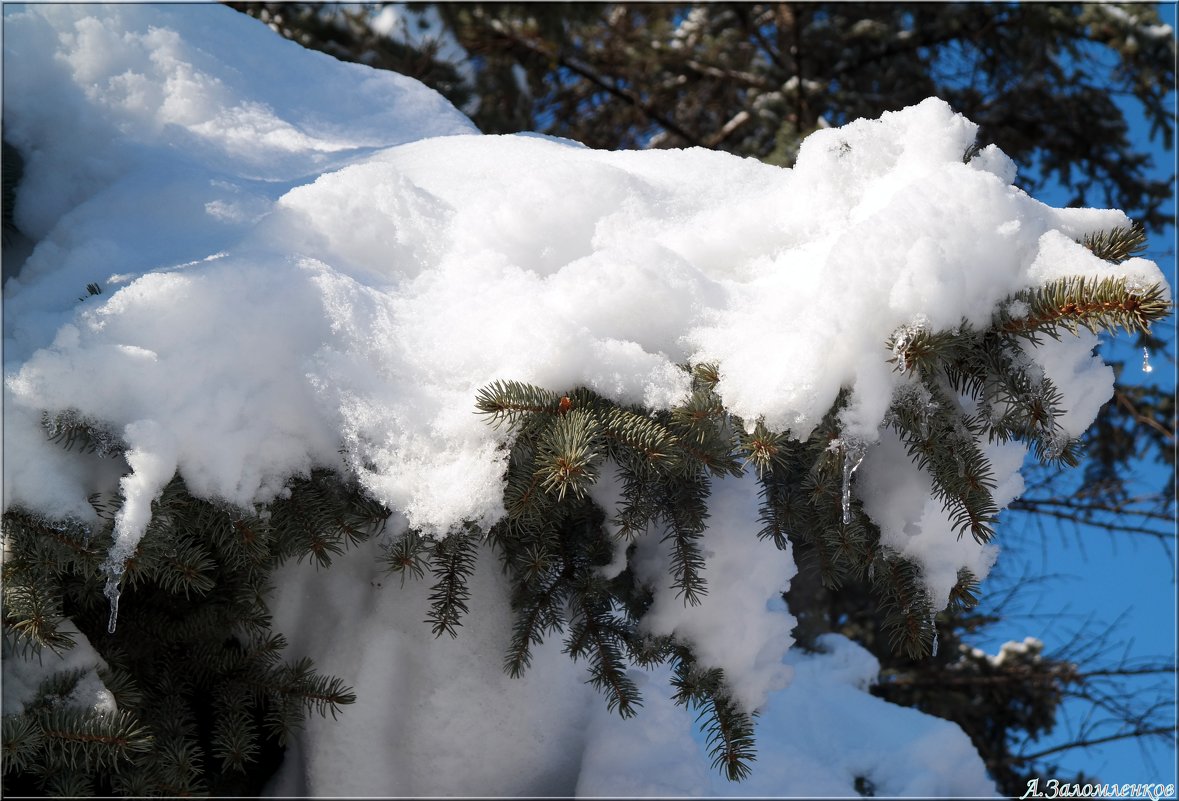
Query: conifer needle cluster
point(196, 671)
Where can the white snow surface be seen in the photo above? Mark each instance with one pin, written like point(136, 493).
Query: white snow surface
point(816, 737)
point(24, 672)
point(306, 263)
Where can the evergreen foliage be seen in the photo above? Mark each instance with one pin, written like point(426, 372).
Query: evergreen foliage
point(203, 694)
point(552, 538)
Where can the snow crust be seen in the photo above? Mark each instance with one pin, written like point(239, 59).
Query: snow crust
point(306, 263)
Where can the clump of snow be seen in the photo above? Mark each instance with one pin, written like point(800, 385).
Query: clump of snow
point(815, 738)
point(433, 716)
point(23, 673)
point(310, 264)
point(1029, 649)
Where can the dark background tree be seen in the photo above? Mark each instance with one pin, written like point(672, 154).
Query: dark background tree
point(1042, 80)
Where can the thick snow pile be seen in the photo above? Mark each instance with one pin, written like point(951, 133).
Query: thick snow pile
point(821, 734)
point(306, 263)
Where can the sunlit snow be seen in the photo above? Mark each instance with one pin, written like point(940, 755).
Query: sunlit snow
point(306, 263)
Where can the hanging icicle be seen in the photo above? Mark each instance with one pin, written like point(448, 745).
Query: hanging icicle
point(853, 454)
point(112, 591)
point(933, 628)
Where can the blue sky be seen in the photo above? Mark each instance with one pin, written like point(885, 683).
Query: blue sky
point(1098, 577)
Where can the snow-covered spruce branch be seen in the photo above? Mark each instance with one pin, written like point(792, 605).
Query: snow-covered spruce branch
point(1107, 304)
point(196, 621)
point(554, 540)
point(561, 445)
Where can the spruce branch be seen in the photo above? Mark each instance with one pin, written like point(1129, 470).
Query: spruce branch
point(524, 496)
point(729, 728)
point(92, 289)
point(245, 540)
point(1118, 244)
point(200, 571)
point(69, 428)
point(188, 568)
point(32, 619)
point(235, 738)
point(905, 603)
point(764, 449)
point(781, 508)
point(1097, 305)
point(1016, 400)
point(407, 555)
point(703, 431)
point(323, 517)
point(568, 455)
point(730, 737)
point(73, 542)
point(629, 435)
point(69, 785)
point(919, 350)
point(705, 376)
point(698, 417)
point(537, 613)
point(940, 442)
point(599, 637)
point(507, 402)
point(685, 511)
point(452, 562)
point(964, 593)
point(83, 740)
point(300, 682)
point(179, 767)
point(21, 742)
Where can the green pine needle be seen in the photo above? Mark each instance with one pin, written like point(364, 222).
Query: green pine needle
point(1118, 244)
point(452, 561)
point(1098, 305)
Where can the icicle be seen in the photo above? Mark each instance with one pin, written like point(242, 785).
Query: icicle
point(928, 407)
point(898, 351)
point(112, 592)
point(872, 570)
point(1146, 368)
point(1057, 443)
point(933, 628)
point(853, 454)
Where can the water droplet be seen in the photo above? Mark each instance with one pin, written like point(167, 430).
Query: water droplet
point(1146, 368)
point(112, 593)
point(853, 454)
